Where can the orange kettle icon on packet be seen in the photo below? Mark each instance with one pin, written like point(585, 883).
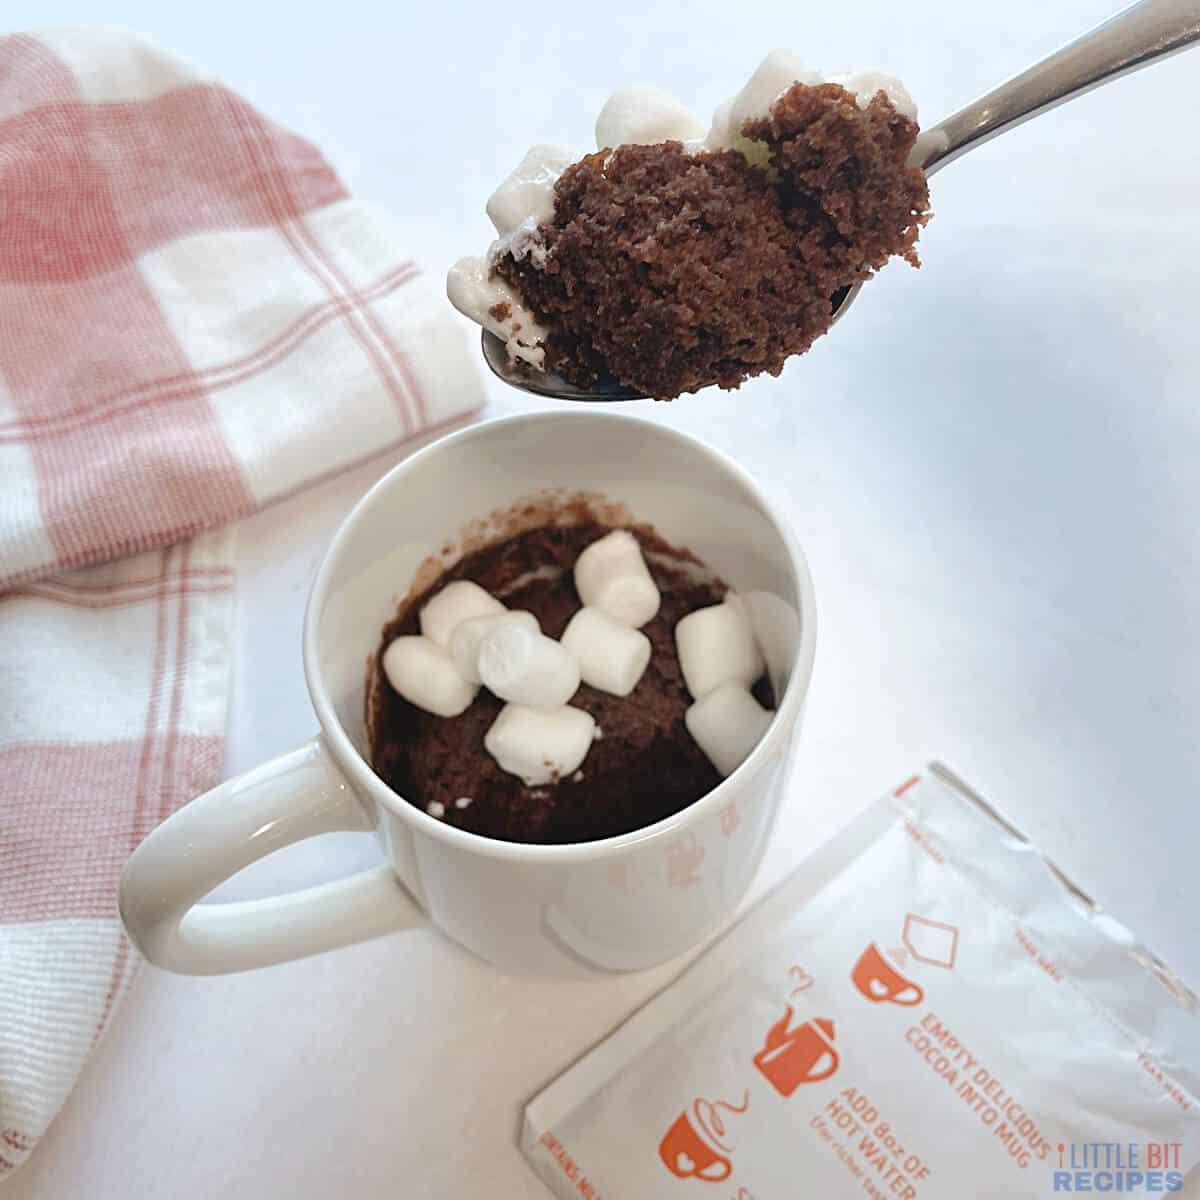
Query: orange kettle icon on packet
point(791, 1057)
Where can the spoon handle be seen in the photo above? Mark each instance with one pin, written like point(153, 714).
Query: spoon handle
point(1140, 34)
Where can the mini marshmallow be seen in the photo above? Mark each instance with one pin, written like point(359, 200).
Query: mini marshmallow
point(455, 603)
point(716, 645)
point(467, 635)
point(612, 575)
point(524, 666)
point(738, 603)
point(865, 82)
point(773, 76)
point(643, 115)
point(720, 134)
point(528, 192)
point(727, 724)
point(611, 656)
point(538, 744)
point(423, 674)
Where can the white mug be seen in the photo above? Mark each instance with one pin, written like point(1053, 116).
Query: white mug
point(622, 903)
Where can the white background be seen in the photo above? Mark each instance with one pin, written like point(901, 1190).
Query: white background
point(992, 464)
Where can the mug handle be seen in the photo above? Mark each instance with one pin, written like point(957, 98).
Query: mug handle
point(292, 797)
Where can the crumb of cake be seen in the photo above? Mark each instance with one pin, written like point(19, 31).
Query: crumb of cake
point(854, 161)
point(501, 311)
point(671, 270)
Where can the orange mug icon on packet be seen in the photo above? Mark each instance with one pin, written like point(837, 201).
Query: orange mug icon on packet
point(686, 1155)
point(881, 983)
point(791, 1057)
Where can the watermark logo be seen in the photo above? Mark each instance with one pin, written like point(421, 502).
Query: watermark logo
point(1129, 1168)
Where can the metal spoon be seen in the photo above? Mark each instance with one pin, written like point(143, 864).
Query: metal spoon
point(1135, 37)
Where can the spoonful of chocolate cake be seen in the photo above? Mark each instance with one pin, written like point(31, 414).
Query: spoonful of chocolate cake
point(674, 258)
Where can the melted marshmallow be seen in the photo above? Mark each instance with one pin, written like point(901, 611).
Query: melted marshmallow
point(865, 83)
point(476, 294)
point(522, 203)
point(527, 195)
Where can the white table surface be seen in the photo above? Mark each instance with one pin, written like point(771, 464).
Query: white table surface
point(993, 465)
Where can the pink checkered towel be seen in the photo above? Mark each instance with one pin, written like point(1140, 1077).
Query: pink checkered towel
point(196, 319)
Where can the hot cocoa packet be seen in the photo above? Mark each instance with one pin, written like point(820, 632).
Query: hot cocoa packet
point(926, 1009)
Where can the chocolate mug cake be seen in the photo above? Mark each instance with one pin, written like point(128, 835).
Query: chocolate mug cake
point(668, 691)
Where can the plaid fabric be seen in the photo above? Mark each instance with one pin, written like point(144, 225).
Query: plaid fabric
point(195, 320)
